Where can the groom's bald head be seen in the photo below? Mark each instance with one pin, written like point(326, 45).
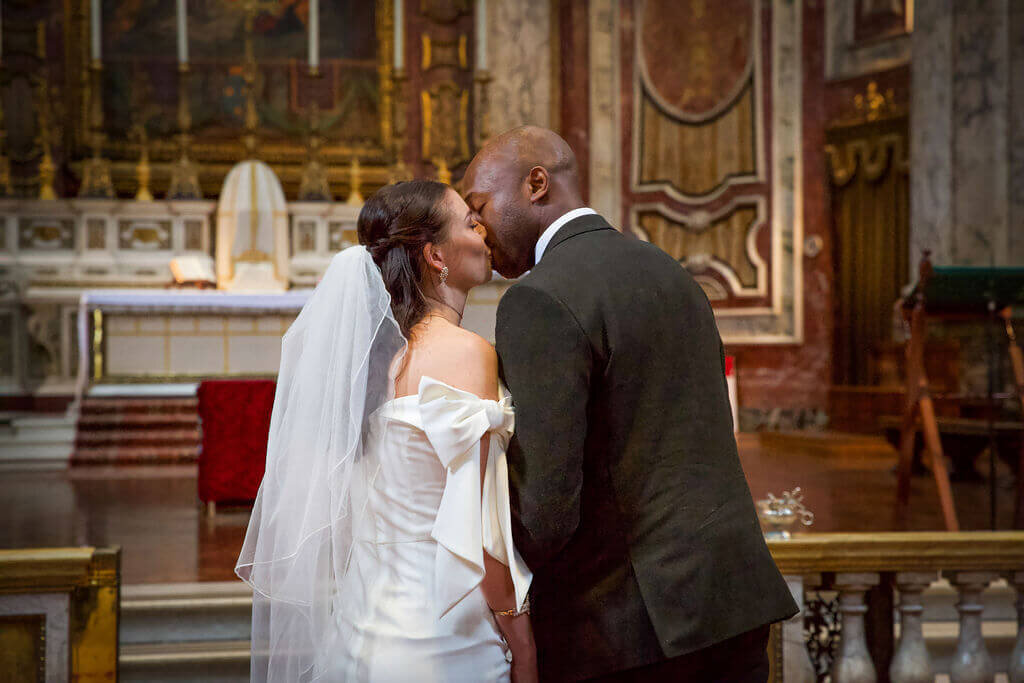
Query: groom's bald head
point(519, 183)
point(525, 147)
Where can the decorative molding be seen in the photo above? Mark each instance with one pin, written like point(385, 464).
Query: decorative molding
point(845, 58)
point(699, 221)
point(144, 234)
point(46, 233)
point(725, 103)
point(445, 123)
point(775, 315)
point(444, 53)
point(783, 321)
point(874, 156)
point(444, 11)
point(752, 79)
point(869, 106)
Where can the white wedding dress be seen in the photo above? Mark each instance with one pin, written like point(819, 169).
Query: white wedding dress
point(365, 548)
point(411, 604)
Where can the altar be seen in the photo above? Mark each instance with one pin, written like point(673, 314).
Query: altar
point(117, 254)
point(130, 336)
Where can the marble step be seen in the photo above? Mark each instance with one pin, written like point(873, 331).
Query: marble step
point(32, 441)
point(138, 405)
point(213, 662)
point(135, 455)
point(185, 632)
point(177, 612)
point(116, 420)
point(152, 430)
point(39, 428)
point(140, 437)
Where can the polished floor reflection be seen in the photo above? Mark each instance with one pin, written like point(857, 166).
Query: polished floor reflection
point(153, 514)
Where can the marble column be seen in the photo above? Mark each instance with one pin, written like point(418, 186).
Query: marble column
point(519, 45)
point(605, 121)
point(967, 151)
point(1016, 132)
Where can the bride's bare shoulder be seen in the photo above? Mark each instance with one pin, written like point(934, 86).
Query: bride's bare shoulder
point(458, 357)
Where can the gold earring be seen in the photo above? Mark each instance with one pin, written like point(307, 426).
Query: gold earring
point(444, 275)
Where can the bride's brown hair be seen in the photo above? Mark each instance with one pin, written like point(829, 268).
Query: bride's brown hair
point(394, 225)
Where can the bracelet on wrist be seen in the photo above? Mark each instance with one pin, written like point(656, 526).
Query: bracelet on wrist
point(515, 611)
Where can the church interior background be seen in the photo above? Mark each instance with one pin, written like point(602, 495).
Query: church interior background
point(176, 175)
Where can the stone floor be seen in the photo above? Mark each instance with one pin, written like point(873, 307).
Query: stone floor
point(153, 514)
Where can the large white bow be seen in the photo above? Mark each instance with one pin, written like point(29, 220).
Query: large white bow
point(470, 520)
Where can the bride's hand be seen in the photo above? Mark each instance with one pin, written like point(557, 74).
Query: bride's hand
point(518, 634)
point(524, 668)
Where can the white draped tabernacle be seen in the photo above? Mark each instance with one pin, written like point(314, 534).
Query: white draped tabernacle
point(252, 230)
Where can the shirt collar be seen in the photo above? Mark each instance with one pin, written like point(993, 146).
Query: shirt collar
point(549, 233)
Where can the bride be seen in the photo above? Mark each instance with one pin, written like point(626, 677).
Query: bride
point(380, 544)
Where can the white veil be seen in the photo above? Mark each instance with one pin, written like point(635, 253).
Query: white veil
point(335, 361)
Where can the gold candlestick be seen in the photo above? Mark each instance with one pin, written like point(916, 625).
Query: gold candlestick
point(444, 174)
point(250, 73)
point(399, 171)
point(184, 177)
point(96, 182)
point(481, 123)
point(314, 185)
point(47, 172)
point(142, 169)
point(5, 163)
point(355, 178)
point(47, 169)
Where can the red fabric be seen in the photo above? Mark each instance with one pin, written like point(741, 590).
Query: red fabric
point(235, 420)
point(729, 360)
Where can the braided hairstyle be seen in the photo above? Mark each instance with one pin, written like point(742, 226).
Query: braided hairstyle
point(394, 225)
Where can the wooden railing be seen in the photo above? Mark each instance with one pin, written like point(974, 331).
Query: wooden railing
point(880, 580)
point(59, 614)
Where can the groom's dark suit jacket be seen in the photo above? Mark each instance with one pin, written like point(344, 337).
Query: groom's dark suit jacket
point(629, 502)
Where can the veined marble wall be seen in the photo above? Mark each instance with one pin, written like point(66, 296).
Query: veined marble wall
point(1015, 240)
point(520, 61)
point(967, 132)
point(931, 178)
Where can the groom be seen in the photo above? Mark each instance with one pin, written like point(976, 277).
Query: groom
point(629, 502)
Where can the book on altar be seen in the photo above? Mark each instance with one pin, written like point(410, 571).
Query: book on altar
point(193, 270)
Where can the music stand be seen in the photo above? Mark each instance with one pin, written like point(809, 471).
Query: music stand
point(959, 293)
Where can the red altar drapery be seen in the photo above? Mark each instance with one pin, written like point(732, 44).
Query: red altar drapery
point(235, 419)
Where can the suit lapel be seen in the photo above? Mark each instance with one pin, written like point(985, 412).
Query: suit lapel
point(575, 228)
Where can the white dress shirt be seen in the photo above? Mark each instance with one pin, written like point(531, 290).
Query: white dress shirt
point(549, 233)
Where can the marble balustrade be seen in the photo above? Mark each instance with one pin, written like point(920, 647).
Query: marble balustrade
point(907, 607)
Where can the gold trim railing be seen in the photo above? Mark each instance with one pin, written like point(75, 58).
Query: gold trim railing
point(90, 578)
point(900, 552)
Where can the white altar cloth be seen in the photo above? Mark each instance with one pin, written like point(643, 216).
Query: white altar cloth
point(176, 301)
